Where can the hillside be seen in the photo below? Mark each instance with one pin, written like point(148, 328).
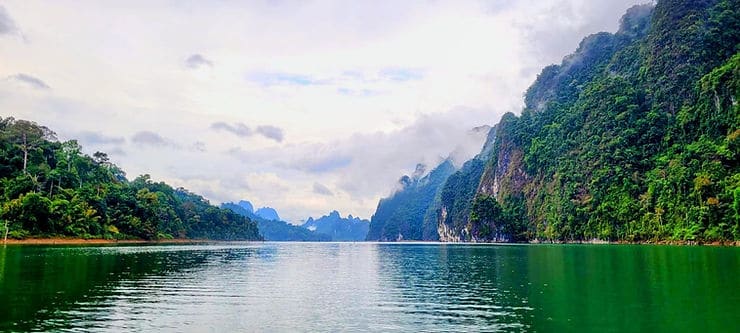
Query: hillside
point(401, 216)
point(634, 137)
point(51, 189)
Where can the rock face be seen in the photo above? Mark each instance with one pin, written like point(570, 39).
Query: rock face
point(338, 228)
point(451, 214)
point(632, 137)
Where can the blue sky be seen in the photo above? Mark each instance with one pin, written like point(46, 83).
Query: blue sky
point(306, 106)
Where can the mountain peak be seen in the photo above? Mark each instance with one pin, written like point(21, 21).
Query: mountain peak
point(267, 213)
point(246, 205)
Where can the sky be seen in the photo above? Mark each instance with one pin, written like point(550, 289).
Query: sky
point(304, 106)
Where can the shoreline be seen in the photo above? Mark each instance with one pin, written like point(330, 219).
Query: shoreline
point(660, 242)
point(100, 241)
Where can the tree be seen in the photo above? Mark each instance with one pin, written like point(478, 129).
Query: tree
point(26, 135)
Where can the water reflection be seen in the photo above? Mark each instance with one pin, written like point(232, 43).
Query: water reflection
point(368, 287)
point(466, 287)
point(52, 288)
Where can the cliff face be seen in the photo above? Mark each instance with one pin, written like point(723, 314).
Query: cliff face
point(401, 216)
point(451, 211)
point(632, 137)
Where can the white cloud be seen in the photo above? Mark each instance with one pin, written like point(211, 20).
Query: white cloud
point(282, 96)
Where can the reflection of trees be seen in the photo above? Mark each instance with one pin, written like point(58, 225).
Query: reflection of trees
point(632, 288)
point(466, 286)
point(38, 284)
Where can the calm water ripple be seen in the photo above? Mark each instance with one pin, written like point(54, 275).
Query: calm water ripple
point(328, 287)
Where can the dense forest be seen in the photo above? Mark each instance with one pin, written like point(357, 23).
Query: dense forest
point(50, 188)
point(634, 137)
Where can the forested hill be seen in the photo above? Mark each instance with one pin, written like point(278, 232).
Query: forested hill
point(633, 137)
point(50, 188)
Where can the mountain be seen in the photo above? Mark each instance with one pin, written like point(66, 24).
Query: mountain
point(338, 228)
point(267, 213)
point(401, 216)
point(274, 229)
point(246, 205)
point(50, 189)
point(412, 212)
point(633, 137)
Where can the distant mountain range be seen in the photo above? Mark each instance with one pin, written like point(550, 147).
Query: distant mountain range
point(330, 227)
point(338, 228)
point(270, 226)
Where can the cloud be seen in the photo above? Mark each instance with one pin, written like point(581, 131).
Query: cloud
point(7, 25)
point(401, 74)
point(287, 79)
point(554, 30)
point(322, 190)
point(238, 129)
point(199, 146)
point(116, 151)
point(368, 165)
point(149, 138)
point(321, 160)
point(358, 92)
point(196, 61)
point(271, 132)
point(30, 81)
point(95, 138)
point(243, 131)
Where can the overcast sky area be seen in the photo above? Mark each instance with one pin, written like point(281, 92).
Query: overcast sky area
point(304, 106)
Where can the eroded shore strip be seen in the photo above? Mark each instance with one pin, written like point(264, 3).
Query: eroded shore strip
point(82, 241)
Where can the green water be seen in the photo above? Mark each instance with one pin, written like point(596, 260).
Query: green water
point(309, 287)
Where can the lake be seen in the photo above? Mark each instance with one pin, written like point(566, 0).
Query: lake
point(379, 287)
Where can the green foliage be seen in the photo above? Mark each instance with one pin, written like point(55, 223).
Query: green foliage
point(402, 215)
point(634, 137)
point(50, 188)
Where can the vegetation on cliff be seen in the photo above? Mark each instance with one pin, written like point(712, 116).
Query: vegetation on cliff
point(634, 137)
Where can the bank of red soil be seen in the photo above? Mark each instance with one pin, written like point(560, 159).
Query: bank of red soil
point(82, 241)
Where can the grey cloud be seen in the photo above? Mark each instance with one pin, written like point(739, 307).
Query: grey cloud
point(271, 132)
point(7, 25)
point(149, 138)
point(564, 24)
point(29, 80)
point(368, 165)
point(196, 61)
point(198, 146)
point(243, 131)
point(238, 129)
point(99, 138)
point(322, 190)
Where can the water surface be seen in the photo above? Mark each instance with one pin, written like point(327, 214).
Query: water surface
point(309, 287)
